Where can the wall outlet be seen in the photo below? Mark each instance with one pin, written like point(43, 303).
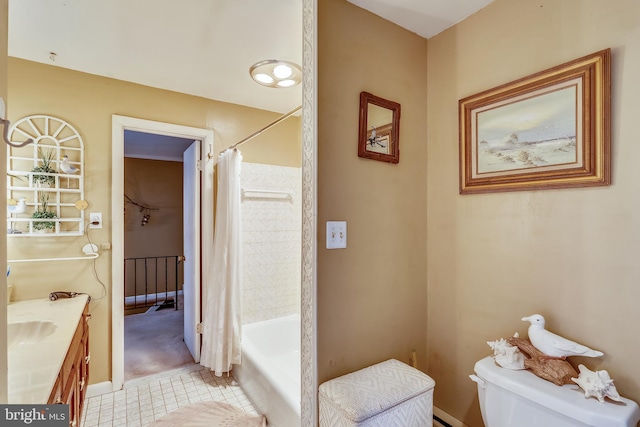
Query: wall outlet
point(336, 234)
point(95, 220)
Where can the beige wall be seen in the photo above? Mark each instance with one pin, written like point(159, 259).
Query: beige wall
point(4, 14)
point(571, 255)
point(157, 184)
point(372, 296)
point(87, 102)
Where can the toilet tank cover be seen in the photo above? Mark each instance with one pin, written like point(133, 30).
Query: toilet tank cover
point(567, 399)
point(365, 393)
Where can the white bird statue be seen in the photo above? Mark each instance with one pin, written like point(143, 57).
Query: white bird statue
point(67, 167)
point(16, 208)
point(554, 345)
point(19, 207)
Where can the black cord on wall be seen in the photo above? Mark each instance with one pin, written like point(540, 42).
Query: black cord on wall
point(95, 272)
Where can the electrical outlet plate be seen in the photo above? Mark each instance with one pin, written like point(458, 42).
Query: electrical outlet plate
point(95, 217)
point(336, 234)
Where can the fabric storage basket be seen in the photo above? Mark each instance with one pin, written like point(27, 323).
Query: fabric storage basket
point(387, 394)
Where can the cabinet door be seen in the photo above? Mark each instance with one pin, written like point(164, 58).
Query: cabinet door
point(85, 357)
point(70, 397)
point(71, 385)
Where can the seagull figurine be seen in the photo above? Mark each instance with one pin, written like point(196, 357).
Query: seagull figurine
point(19, 207)
point(554, 345)
point(16, 208)
point(67, 167)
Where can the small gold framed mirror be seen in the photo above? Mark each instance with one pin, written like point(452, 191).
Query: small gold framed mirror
point(379, 129)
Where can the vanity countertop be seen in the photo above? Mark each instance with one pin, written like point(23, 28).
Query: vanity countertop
point(34, 368)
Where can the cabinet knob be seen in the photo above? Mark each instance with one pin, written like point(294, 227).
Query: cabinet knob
point(86, 359)
point(58, 400)
point(81, 384)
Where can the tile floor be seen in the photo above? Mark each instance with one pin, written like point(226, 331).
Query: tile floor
point(144, 400)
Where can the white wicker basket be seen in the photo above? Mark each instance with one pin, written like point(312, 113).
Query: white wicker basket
point(387, 394)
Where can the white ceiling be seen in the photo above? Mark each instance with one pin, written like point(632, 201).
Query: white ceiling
point(142, 145)
point(197, 47)
point(424, 17)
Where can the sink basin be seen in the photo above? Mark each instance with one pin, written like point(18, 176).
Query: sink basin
point(28, 332)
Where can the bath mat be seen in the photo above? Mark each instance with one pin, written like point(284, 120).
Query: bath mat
point(209, 414)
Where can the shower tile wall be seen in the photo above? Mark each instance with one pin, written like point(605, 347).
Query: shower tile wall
point(272, 235)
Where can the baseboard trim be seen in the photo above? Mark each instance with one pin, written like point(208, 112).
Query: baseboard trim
point(99, 388)
point(447, 418)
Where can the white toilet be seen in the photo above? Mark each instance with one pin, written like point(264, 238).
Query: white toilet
point(511, 398)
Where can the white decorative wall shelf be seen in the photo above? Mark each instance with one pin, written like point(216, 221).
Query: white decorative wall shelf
point(62, 194)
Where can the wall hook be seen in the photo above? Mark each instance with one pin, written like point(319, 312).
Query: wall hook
point(5, 132)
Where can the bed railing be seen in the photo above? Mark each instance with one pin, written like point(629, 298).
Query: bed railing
point(152, 281)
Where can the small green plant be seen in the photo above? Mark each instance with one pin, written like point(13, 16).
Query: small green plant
point(44, 166)
point(42, 212)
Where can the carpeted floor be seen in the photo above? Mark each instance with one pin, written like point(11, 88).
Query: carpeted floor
point(153, 343)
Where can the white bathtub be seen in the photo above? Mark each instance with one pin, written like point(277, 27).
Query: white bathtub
point(270, 369)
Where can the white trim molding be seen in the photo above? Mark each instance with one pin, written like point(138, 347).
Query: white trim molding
point(447, 418)
point(308, 351)
point(97, 389)
point(118, 126)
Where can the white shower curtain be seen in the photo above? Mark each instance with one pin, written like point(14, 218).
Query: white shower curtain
point(222, 287)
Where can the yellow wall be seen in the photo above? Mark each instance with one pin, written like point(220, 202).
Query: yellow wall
point(4, 14)
point(571, 255)
point(157, 184)
point(87, 102)
point(372, 296)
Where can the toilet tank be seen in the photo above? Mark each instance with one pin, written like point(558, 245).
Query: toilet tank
point(511, 398)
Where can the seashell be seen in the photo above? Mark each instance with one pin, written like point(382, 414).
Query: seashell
point(598, 384)
point(507, 355)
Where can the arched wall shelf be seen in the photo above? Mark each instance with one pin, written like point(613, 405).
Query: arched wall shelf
point(58, 192)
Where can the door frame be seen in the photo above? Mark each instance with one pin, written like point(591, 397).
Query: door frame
point(118, 125)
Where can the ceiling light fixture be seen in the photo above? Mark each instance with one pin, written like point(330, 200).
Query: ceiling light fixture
point(275, 73)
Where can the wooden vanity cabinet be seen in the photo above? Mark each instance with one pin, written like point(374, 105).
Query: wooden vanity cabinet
point(71, 385)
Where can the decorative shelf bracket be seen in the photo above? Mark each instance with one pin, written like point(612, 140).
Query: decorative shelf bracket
point(5, 131)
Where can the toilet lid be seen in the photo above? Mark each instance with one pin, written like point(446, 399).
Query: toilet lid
point(568, 399)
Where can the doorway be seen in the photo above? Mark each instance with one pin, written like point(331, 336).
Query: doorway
point(120, 125)
point(155, 245)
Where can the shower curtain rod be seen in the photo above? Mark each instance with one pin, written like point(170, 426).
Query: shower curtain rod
point(270, 125)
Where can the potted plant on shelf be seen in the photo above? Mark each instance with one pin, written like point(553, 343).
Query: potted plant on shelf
point(42, 212)
point(45, 164)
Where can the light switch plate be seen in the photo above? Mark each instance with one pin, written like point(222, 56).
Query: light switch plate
point(336, 234)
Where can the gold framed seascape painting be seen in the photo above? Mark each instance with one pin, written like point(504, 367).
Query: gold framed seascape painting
point(547, 130)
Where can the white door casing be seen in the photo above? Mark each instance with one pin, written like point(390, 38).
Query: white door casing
point(119, 125)
point(191, 227)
